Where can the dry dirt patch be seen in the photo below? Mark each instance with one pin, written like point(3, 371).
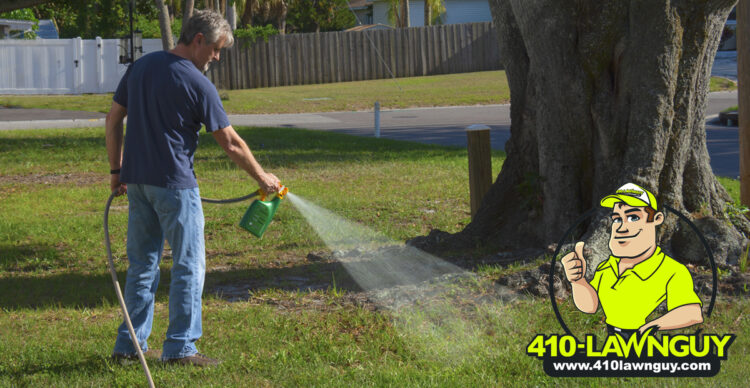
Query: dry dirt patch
point(78, 179)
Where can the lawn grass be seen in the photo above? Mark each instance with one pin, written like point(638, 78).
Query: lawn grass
point(721, 84)
point(58, 313)
point(479, 88)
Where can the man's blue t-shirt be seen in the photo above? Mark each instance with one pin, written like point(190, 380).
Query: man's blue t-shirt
point(167, 98)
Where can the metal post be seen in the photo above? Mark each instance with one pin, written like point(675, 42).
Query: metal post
point(377, 119)
point(743, 111)
point(480, 164)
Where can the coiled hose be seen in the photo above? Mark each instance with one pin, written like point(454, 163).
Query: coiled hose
point(116, 283)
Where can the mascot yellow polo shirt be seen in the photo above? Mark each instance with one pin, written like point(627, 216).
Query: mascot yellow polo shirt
point(628, 298)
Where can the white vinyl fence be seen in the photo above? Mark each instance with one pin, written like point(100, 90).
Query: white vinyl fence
point(63, 66)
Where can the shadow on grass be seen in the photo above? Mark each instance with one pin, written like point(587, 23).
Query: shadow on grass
point(29, 257)
point(71, 290)
point(287, 147)
point(92, 364)
point(274, 147)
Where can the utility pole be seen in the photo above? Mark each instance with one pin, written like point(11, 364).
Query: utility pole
point(743, 111)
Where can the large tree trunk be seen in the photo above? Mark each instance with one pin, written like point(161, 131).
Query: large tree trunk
point(167, 41)
point(602, 93)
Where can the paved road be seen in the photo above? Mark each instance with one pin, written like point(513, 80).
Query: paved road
point(442, 125)
point(445, 126)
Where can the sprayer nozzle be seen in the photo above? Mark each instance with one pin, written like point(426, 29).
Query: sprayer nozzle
point(283, 191)
point(280, 193)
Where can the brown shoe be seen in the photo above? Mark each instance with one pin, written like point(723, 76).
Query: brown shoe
point(196, 359)
point(124, 359)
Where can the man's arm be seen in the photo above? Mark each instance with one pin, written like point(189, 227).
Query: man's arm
point(113, 138)
point(683, 316)
point(584, 296)
point(240, 154)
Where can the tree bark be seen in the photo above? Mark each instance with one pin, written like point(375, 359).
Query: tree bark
point(404, 13)
point(743, 72)
point(282, 17)
point(167, 41)
point(603, 93)
point(232, 16)
point(187, 12)
point(247, 17)
point(427, 13)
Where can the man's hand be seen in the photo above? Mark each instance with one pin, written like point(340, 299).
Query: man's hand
point(648, 329)
point(677, 318)
point(269, 183)
point(116, 186)
point(575, 264)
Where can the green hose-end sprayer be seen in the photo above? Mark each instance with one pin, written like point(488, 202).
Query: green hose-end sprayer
point(260, 213)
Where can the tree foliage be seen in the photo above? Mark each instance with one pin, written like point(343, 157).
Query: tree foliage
point(23, 14)
point(319, 16)
point(263, 12)
point(434, 11)
point(252, 33)
point(106, 18)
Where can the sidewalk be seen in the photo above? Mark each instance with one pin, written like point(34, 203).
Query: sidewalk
point(11, 118)
point(437, 125)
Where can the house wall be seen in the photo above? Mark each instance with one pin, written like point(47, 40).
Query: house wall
point(456, 12)
point(363, 16)
point(466, 11)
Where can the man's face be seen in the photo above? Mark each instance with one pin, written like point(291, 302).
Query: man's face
point(205, 52)
point(631, 235)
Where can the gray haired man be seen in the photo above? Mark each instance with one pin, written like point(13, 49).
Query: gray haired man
point(167, 99)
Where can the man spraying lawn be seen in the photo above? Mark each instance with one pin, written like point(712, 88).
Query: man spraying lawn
point(166, 99)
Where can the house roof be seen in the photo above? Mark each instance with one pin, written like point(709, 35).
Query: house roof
point(17, 24)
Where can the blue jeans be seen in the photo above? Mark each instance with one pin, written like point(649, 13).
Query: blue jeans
point(156, 213)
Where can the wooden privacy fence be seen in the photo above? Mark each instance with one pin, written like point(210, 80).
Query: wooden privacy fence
point(298, 59)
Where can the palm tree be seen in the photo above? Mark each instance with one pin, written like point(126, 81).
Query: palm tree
point(266, 11)
point(166, 29)
point(398, 13)
point(432, 11)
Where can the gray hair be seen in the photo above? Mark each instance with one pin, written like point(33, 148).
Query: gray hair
point(211, 24)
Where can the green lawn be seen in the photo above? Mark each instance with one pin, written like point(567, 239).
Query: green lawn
point(490, 87)
point(58, 312)
point(480, 88)
point(720, 84)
